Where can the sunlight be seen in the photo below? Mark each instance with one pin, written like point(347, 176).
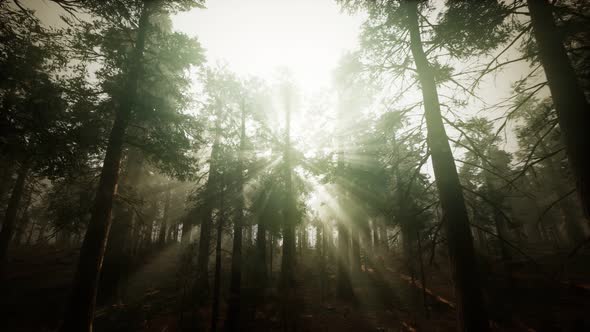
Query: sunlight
point(256, 37)
point(268, 165)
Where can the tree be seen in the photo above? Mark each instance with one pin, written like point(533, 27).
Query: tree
point(236, 263)
point(547, 47)
point(287, 278)
point(80, 311)
point(568, 97)
point(405, 16)
point(470, 306)
point(40, 110)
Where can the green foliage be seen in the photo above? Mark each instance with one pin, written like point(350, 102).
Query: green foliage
point(470, 28)
point(161, 123)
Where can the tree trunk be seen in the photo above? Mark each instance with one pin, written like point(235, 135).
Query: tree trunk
point(30, 235)
point(375, 227)
point(471, 312)
point(321, 248)
point(572, 107)
point(261, 269)
point(343, 254)
point(383, 238)
point(164, 235)
point(217, 277)
point(202, 285)
point(118, 255)
point(287, 279)
point(6, 174)
point(187, 227)
point(233, 316)
point(271, 254)
point(355, 265)
point(9, 222)
point(573, 226)
point(25, 219)
point(80, 311)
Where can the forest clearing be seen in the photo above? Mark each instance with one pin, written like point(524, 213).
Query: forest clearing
point(312, 165)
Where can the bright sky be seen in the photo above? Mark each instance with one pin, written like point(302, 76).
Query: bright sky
point(255, 37)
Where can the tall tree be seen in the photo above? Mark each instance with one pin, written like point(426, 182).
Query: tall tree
point(80, 312)
point(399, 23)
point(287, 278)
point(470, 306)
point(139, 14)
point(236, 263)
point(569, 99)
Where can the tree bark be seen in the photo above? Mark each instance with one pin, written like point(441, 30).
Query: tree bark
point(80, 311)
point(10, 217)
point(375, 229)
point(24, 218)
point(344, 288)
point(287, 279)
point(6, 178)
point(217, 277)
point(271, 255)
point(383, 238)
point(233, 316)
point(202, 285)
point(355, 266)
point(164, 235)
point(471, 311)
point(261, 268)
point(570, 102)
point(118, 255)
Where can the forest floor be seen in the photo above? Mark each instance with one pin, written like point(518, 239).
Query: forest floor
point(545, 296)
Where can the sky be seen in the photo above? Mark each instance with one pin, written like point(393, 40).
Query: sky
point(255, 37)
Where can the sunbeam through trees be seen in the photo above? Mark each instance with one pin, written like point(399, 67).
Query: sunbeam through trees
point(312, 165)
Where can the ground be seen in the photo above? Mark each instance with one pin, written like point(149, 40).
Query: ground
point(545, 295)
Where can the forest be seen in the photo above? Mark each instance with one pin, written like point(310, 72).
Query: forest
point(312, 165)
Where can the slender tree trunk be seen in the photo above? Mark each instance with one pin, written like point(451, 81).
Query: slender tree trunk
point(422, 274)
point(271, 255)
point(288, 257)
point(30, 235)
point(187, 227)
point(499, 221)
point(174, 233)
point(217, 277)
point(163, 236)
point(6, 174)
point(202, 285)
point(287, 279)
point(366, 245)
point(261, 268)
point(80, 311)
point(406, 223)
point(10, 215)
point(383, 238)
point(355, 265)
point(24, 219)
point(471, 311)
point(344, 287)
point(321, 248)
point(375, 227)
point(570, 102)
point(408, 240)
point(233, 316)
